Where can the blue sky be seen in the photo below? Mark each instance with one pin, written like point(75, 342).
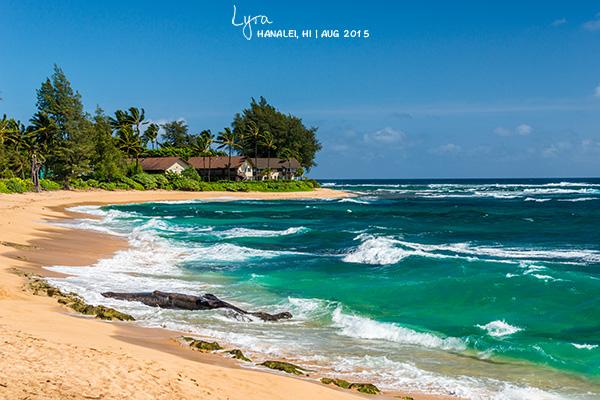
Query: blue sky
point(439, 89)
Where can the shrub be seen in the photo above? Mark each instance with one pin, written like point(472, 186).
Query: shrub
point(191, 173)
point(18, 185)
point(130, 183)
point(48, 184)
point(107, 186)
point(146, 180)
point(182, 183)
point(3, 188)
point(162, 182)
point(79, 184)
point(121, 186)
point(134, 169)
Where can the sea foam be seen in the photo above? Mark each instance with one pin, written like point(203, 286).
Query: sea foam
point(585, 346)
point(499, 328)
point(247, 232)
point(365, 328)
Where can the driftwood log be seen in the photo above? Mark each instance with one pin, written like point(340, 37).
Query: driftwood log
point(179, 301)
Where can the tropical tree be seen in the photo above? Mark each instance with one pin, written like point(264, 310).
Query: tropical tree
point(21, 145)
point(120, 120)
point(288, 155)
point(252, 136)
point(227, 139)
point(288, 131)
point(136, 118)
point(8, 128)
point(176, 134)
point(268, 142)
point(42, 135)
point(128, 135)
point(71, 150)
point(108, 161)
point(151, 134)
point(130, 143)
point(207, 139)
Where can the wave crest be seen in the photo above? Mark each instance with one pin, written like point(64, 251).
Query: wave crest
point(365, 328)
point(499, 328)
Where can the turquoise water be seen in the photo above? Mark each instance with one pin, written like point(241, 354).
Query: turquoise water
point(483, 289)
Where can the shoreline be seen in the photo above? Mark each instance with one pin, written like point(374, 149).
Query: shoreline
point(28, 242)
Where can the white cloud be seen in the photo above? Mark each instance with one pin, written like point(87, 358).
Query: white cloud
point(558, 22)
point(449, 148)
point(592, 25)
point(597, 91)
point(386, 136)
point(522, 130)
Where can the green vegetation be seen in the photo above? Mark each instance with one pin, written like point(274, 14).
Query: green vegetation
point(262, 129)
point(166, 182)
point(285, 367)
point(237, 353)
point(337, 382)
point(367, 388)
point(39, 286)
point(63, 146)
point(201, 345)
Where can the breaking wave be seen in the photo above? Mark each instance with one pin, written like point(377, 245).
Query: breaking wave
point(365, 328)
point(499, 328)
point(246, 232)
point(384, 250)
point(585, 346)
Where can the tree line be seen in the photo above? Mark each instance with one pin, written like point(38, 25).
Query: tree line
point(64, 142)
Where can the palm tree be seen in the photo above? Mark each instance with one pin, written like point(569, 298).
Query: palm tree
point(288, 155)
point(129, 142)
point(268, 141)
point(151, 134)
point(227, 138)
point(127, 127)
point(120, 120)
point(136, 118)
point(253, 133)
point(207, 140)
point(43, 130)
point(23, 142)
point(8, 129)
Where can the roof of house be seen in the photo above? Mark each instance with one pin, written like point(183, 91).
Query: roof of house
point(275, 163)
point(218, 162)
point(159, 163)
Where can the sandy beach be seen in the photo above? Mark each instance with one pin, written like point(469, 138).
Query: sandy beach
point(49, 352)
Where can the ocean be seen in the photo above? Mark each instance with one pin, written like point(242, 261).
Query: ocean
point(485, 289)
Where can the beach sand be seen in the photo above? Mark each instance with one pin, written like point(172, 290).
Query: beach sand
point(49, 352)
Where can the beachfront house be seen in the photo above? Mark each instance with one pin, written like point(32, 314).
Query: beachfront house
point(160, 165)
point(220, 168)
point(279, 168)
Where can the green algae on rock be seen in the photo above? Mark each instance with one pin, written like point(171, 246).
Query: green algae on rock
point(237, 353)
point(201, 345)
point(40, 287)
point(367, 388)
point(285, 367)
point(337, 382)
